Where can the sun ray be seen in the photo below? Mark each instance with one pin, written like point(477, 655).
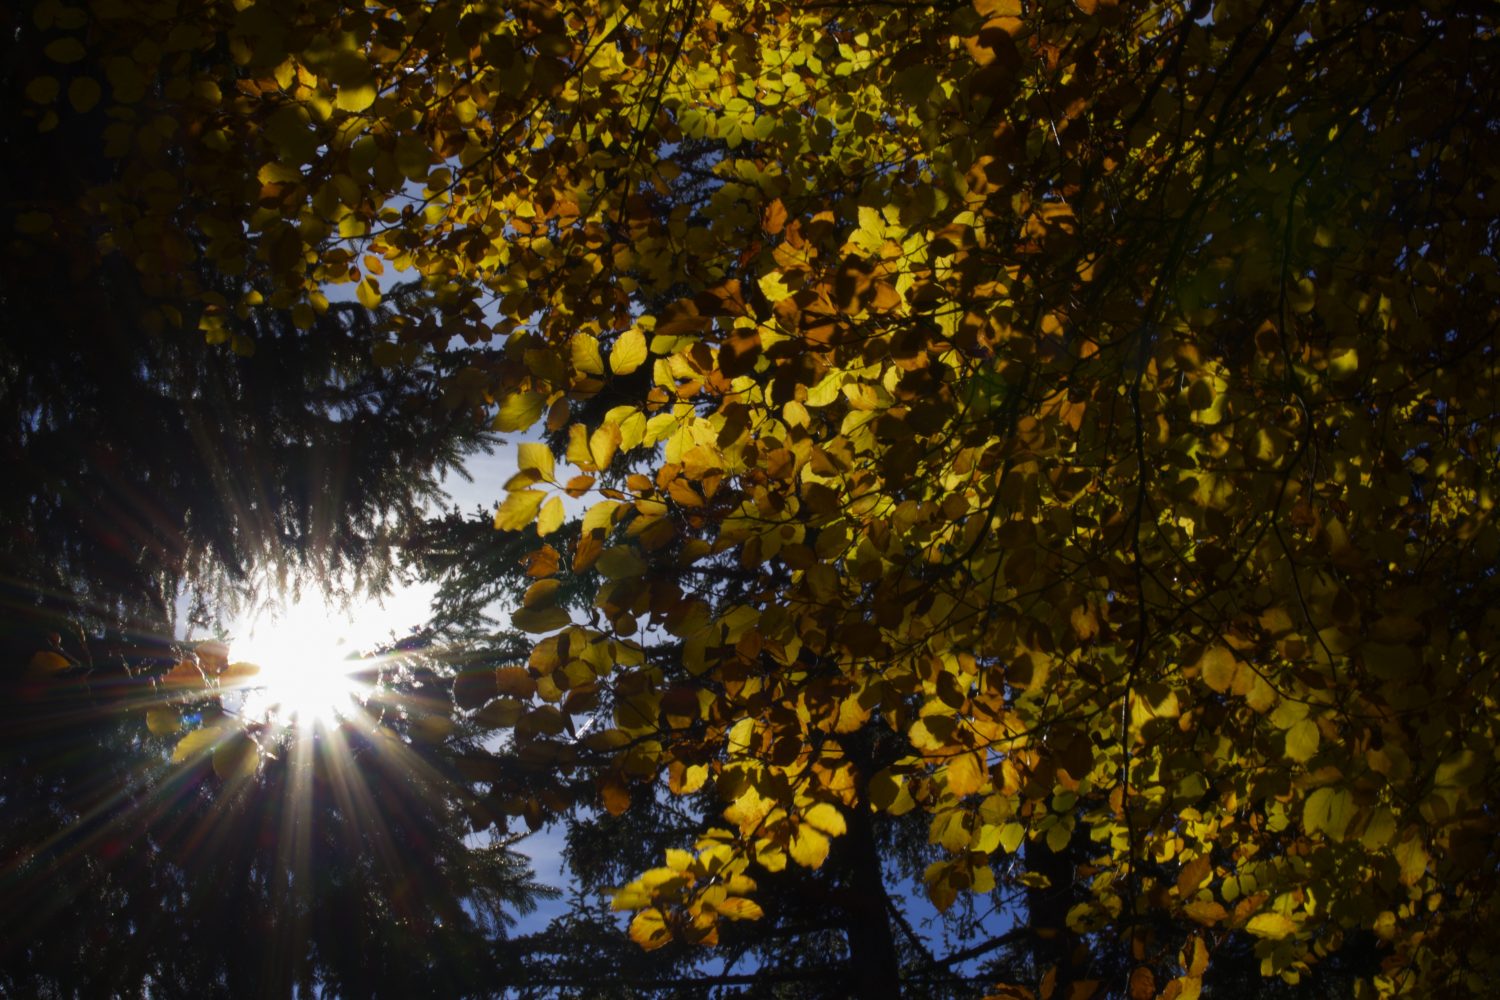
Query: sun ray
point(306, 667)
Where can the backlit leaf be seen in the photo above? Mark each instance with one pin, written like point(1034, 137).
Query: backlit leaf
point(628, 352)
point(1271, 925)
point(536, 457)
point(540, 619)
point(1302, 740)
point(355, 98)
point(196, 745)
point(550, 518)
point(519, 411)
point(809, 847)
point(83, 93)
point(518, 509)
point(163, 721)
point(1217, 667)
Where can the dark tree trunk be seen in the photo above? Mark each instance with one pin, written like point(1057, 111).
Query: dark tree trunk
point(874, 970)
point(1056, 946)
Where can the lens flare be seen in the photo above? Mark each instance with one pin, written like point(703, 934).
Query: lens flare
point(305, 666)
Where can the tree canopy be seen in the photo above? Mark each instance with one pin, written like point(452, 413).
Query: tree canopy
point(1070, 425)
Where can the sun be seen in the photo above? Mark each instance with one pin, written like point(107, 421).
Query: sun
point(306, 658)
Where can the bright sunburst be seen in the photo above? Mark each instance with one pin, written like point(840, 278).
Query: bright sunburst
point(305, 668)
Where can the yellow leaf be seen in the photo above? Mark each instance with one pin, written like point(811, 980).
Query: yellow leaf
point(42, 89)
point(519, 411)
point(537, 457)
point(1302, 741)
point(516, 682)
point(621, 562)
point(368, 293)
point(518, 510)
point(185, 673)
point(774, 288)
point(940, 888)
point(601, 516)
point(1343, 361)
point(238, 672)
point(83, 93)
point(540, 619)
point(1271, 925)
point(541, 594)
point(649, 929)
point(502, 713)
point(355, 99)
point(1216, 666)
point(966, 774)
point(888, 794)
point(602, 445)
point(1460, 770)
point(278, 173)
point(825, 817)
point(1328, 810)
point(236, 757)
point(194, 745)
point(739, 908)
point(125, 79)
point(1205, 911)
point(47, 662)
point(629, 352)
point(65, 50)
point(616, 799)
point(33, 223)
point(1412, 856)
point(686, 780)
point(583, 349)
point(809, 847)
point(163, 721)
point(748, 809)
point(578, 448)
point(551, 516)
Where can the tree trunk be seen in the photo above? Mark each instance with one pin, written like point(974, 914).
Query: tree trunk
point(1057, 947)
point(874, 972)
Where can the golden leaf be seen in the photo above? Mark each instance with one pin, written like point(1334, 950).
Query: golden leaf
point(551, 516)
point(355, 98)
point(536, 457)
point(1217, 666)
point(826, 818)
point(649, 929)
point(809, 847)
point(628, 352)
point(83, 93)
point(1302, 741)
point(540, 619)
point(195, 744)
point(583, 350)
point(519, 411)
point(966, 774)
point(163, 721)
point(1271, 925)
point(621, 562)
point(518, 510)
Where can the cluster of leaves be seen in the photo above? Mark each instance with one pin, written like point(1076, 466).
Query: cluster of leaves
point(1072, 424)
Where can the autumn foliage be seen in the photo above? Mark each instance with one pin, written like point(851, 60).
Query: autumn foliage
point(1072, 422)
